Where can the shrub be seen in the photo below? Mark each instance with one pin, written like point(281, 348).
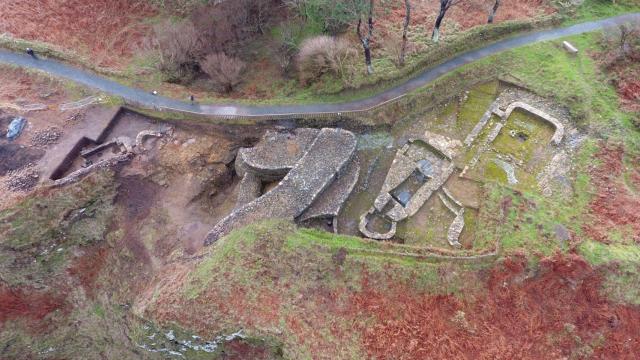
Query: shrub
point(179, 47)
point(227, 24)
point(622, 44)
point(323, 54)
point(333, 16)
point(225, 71)
point(212, 27)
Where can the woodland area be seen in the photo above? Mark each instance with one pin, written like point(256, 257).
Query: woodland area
point(312, 37)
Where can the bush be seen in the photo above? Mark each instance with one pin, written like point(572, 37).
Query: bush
point(214, 27)
point(228, 24)
point(323, 54)
point(622, 44)
point(224, 71)
point(333, 16)
point(179, 47)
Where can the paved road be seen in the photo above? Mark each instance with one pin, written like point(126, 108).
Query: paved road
point(143, 98)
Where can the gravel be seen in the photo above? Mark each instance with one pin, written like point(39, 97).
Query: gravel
point(22, 180)
point(46, 136)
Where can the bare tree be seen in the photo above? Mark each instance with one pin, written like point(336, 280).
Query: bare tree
point(179, 47)
point(366, 39)
point(445, 5)
point(224, 71)
point(492, 14)
point(228, 24)
point(323, 54)
point(405, 28)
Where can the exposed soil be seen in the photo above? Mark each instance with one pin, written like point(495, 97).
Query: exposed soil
point(136, 195)
point(109, 31)
point(615, 206)
point(557, 312)
point(87, 266)
point(13, 157)
point(22, 88)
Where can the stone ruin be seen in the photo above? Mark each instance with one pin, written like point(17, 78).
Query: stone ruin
point(88, 143)
point(315, 171)
point(419, 169)
point(422, 167)
point(125, 150)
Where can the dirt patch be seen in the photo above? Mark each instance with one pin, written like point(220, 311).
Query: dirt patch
point(240, 349)
point(109, 31)
point(28, 304)
point(629, 91)
point(614, 207)
point(14, 157)
point(21, 88)
point(87, 266)
point(555, 313)
point(136, 195)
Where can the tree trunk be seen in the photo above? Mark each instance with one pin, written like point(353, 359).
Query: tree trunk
point(367, 58)
point(492, 14)
point(405, 27)
point(365, 40)
point(435, 36)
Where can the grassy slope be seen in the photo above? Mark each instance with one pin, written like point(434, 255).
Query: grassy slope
point(574, 82)
point(295, 274)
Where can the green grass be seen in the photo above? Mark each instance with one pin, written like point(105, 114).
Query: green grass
point(598, 253)
point(598, 9)
point(46, 228)
point(227, 249)
point(531, 219)
point(622, 279)
point(277, 247)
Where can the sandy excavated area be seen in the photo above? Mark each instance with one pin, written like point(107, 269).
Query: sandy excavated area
point(18, 158)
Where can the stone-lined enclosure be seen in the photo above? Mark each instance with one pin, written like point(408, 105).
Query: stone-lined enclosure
point(422, 167)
